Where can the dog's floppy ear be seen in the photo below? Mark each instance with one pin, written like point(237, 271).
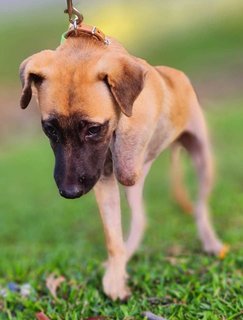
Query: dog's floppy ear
point(125, 78)
point(31, 71)
point(28, 77)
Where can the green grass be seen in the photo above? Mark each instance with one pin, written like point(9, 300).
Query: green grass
point(215, 46)
point(41, 233)
point(24, 37)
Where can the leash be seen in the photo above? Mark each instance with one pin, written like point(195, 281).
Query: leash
point(75, 17)
point(78, 29)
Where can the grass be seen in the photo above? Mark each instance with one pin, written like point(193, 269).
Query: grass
point(41, 233)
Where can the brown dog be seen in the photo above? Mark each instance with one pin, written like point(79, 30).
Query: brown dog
point(108, 115)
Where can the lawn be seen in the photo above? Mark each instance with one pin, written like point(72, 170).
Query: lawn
point(41, 233)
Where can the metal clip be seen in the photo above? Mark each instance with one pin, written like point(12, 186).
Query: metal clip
point(75, 24)
point(94, 30)
point(75, 17)
point(107, 41)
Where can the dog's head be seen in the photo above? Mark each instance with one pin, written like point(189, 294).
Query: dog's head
point(82, 91)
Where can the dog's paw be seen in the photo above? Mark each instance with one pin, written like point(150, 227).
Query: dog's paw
point(218, 249)
point(116, 289)
point(114, 283)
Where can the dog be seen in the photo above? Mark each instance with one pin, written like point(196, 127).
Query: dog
point(108, 115)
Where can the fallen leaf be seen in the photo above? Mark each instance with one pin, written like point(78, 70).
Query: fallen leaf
point(41, 316)
point(53, 282)
point(150, 316)
point(172, 260)
point(175, 250)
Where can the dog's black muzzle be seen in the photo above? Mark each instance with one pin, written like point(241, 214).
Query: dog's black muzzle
point(72, 192)
point(75, 187)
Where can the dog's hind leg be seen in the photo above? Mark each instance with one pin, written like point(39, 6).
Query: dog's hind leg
point(108, 199)
point(134, 196)
point(196, 142)
point(178, 188)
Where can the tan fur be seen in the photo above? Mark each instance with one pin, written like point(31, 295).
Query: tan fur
point(179, 190)
point(148, 109)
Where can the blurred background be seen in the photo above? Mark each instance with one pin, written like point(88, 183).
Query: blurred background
point(203, 38)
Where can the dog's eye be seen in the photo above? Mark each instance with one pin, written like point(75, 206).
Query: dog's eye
point(94, 130)
point(52, 133)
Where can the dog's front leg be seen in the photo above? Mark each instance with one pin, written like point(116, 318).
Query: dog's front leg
point(138, 223)
point(108, 199)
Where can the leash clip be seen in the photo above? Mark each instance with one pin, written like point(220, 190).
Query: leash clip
point(75, 17)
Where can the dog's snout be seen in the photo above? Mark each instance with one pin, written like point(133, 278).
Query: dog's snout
point(71, 192)
point(76, 187)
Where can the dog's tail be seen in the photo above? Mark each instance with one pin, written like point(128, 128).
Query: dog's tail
point(178, 187)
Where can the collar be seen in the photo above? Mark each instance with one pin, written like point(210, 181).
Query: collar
point(83, 29)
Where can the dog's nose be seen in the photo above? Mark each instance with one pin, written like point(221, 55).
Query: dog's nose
point(82, 179)
point(71, 192)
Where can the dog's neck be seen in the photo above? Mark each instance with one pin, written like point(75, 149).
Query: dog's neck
point(90, 31)
point(88, 38)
